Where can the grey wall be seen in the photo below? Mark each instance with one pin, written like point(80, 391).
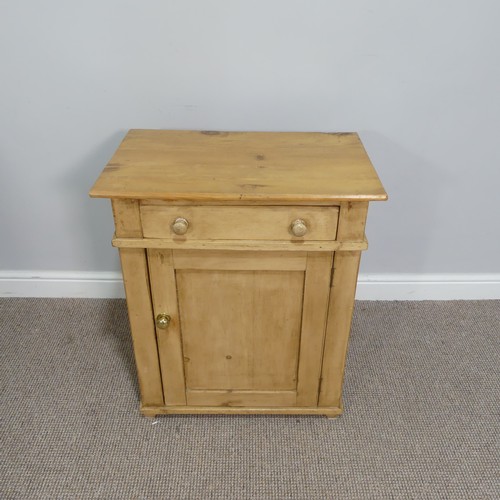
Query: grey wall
point(419, 80)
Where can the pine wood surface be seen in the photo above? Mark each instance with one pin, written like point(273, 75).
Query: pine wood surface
point(239, 166)
point(153, 411)
point(234, 223)
point(314, 315)
point(240, 261)
point(241, 329)
point(164, 297)
point(137, 289)
point(345, 273)
point(241, 245)
point(232, 398)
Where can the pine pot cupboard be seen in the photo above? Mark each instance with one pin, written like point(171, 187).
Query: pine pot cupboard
point(240, 254)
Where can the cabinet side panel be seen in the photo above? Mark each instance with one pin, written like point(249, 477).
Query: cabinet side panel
point(352, 220)
point(345, 269)
point(135, 278)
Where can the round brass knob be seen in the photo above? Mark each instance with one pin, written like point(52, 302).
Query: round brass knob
point(298, 227)
point(162, 321)
point(180, 226)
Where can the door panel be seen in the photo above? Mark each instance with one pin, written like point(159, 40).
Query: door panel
point(240, 329)
point(246, 329)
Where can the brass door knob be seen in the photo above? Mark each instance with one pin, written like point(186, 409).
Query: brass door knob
point(298, 227)
point(162, 321)
point(180, 226)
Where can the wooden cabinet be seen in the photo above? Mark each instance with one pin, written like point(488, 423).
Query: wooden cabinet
point(240, 254)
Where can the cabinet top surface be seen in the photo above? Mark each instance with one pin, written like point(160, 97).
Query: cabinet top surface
point(240, 166)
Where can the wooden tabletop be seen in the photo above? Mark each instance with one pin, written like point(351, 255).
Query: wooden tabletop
point(240, 166)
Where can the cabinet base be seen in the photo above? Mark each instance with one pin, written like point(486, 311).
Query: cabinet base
point(152, 411)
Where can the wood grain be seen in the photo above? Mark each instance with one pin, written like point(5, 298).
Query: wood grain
point(231, 166)
point(352, 222)
point(127, 217)
point(314, 315)
point(236, 223)
point(136, 283)
point(240, 261)
point(346, 265)
point(163, 288)
point(151, 411)
point(241, 245)
point(140, 312)
point(240, 329)
point(241, 398)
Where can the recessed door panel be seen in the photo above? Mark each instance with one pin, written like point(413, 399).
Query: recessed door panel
point(240, 329)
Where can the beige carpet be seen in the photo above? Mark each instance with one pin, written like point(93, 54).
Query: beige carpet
point(421, 421)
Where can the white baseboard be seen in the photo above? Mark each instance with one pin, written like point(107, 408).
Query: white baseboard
point(428, 287)
point(102, 285)
point(370, 286)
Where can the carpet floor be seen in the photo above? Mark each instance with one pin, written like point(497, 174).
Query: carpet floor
point(421, 414)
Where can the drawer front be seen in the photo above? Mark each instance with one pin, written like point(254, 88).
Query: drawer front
point(240, 223)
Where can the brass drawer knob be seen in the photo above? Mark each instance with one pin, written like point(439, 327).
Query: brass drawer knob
point(298, 227)
point(180, 226)
point(162, 321)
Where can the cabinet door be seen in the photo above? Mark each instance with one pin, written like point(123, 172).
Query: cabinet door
point(246, 328)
